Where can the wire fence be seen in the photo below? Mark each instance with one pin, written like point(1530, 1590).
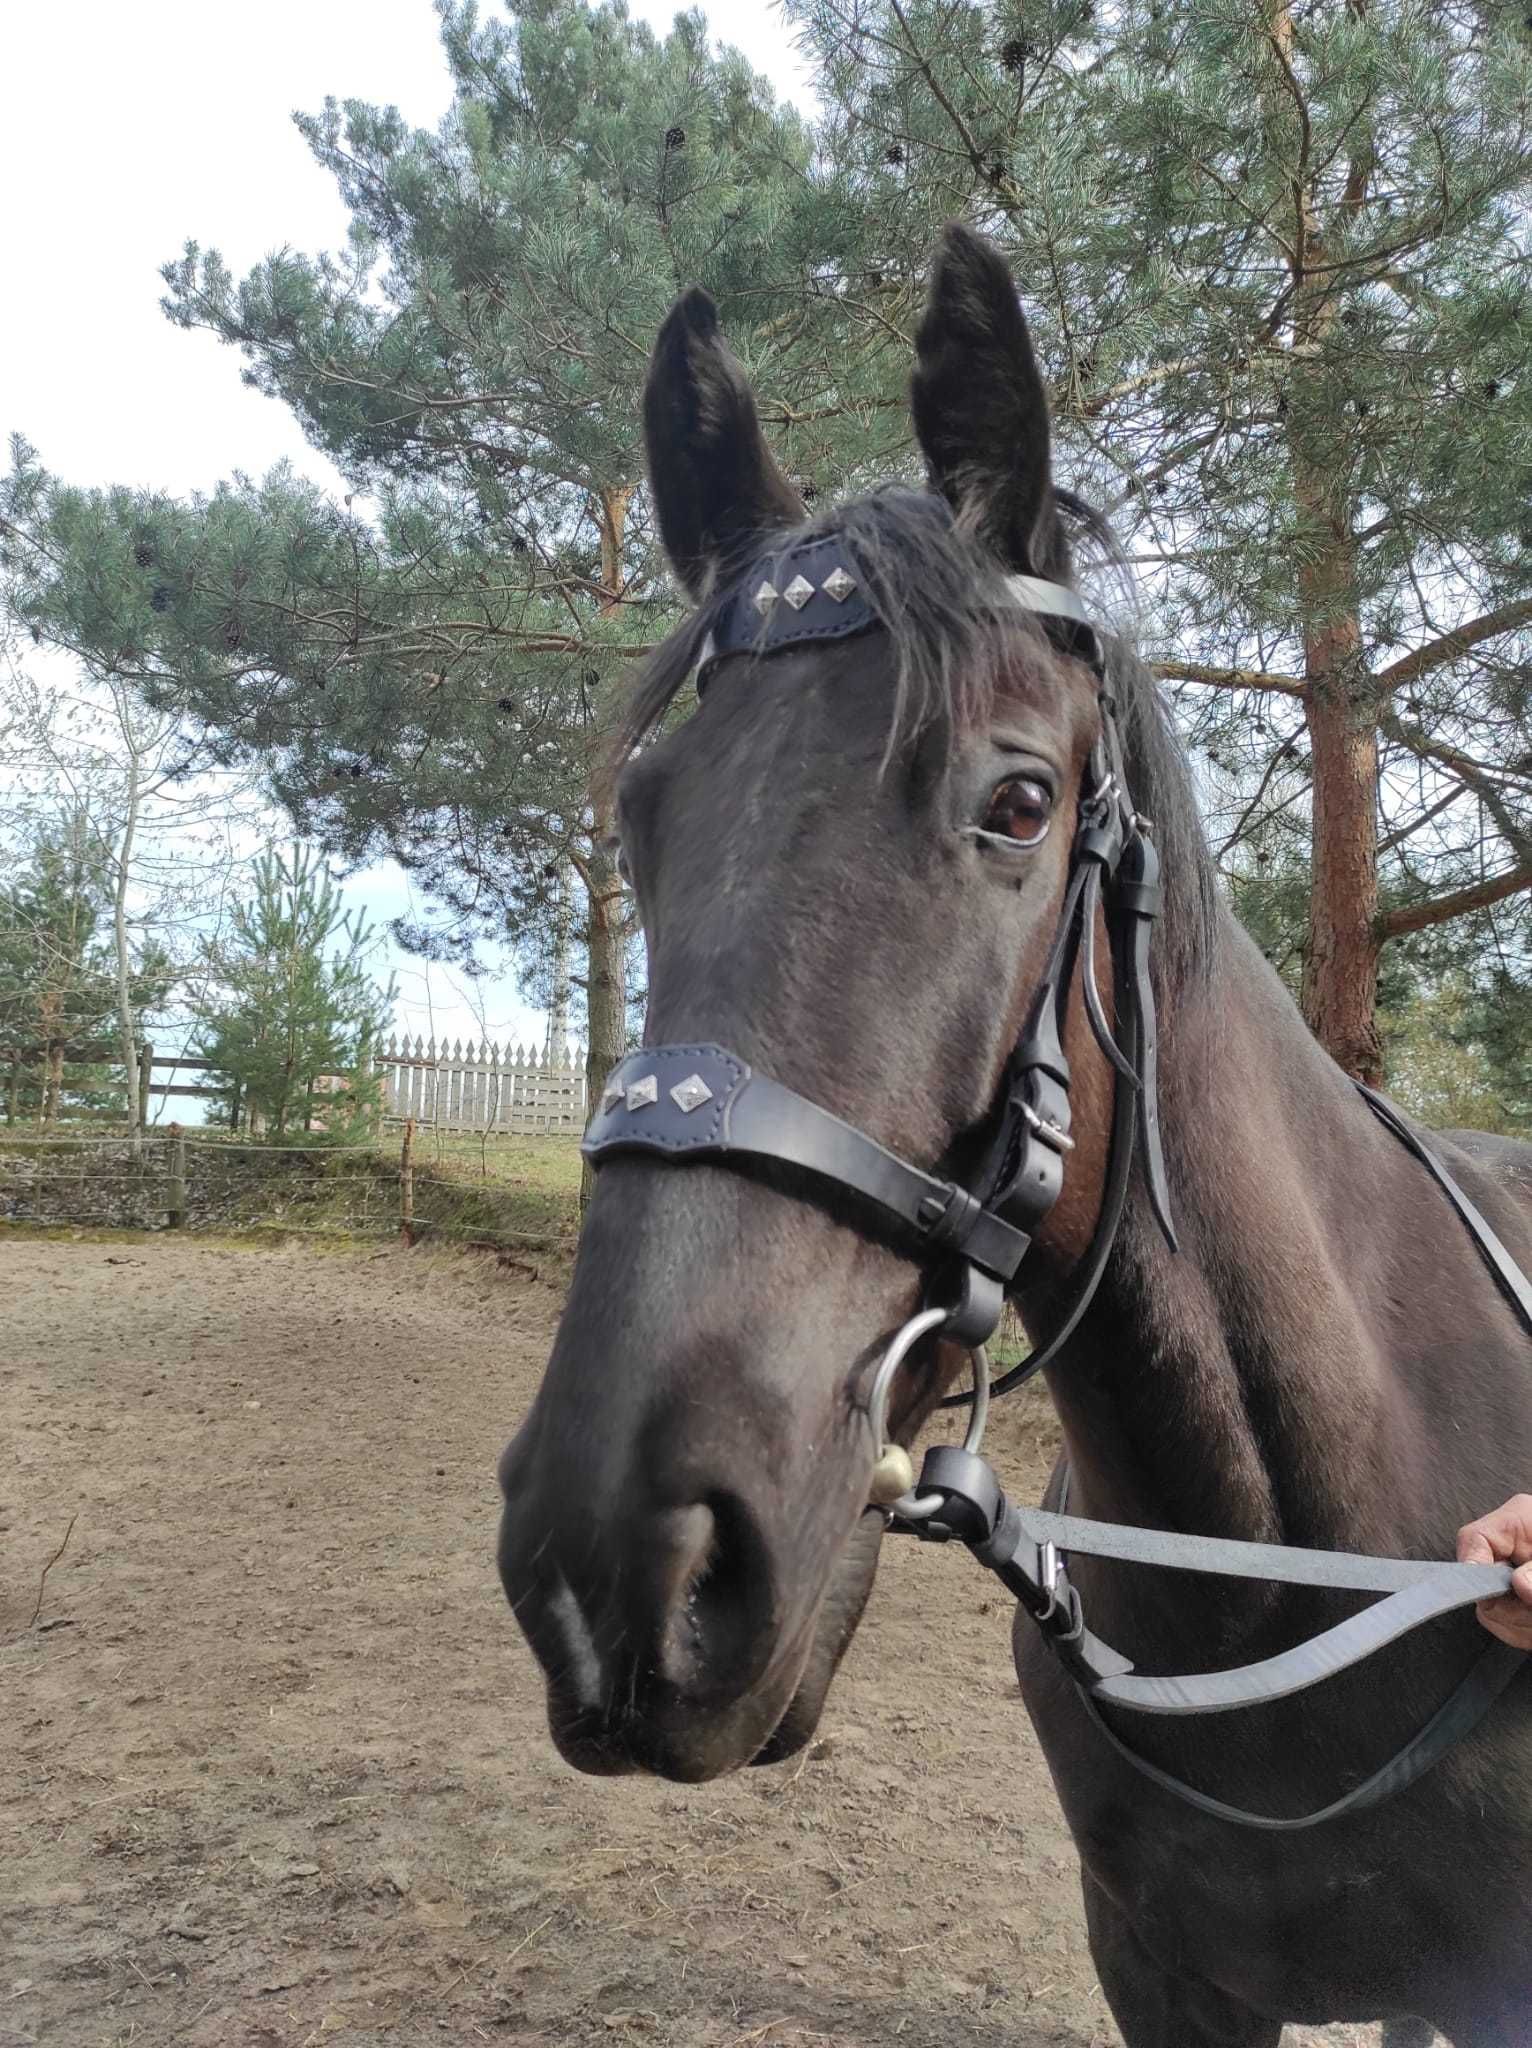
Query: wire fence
point(180, 1181)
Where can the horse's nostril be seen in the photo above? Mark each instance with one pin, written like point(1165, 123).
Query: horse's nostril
point(721, 1600)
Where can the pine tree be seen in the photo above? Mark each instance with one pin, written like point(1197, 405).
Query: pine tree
point(428, 683)
point(59, 995)
point(424, 680)
point(1279, 262)
point(1279, 268)
point(293, 1012)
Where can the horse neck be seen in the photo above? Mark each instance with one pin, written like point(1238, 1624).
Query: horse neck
point(1239, 1387)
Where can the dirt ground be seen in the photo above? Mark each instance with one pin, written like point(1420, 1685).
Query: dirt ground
point(274, 1769)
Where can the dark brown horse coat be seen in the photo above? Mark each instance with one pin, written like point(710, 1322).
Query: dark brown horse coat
point(1326, 1362)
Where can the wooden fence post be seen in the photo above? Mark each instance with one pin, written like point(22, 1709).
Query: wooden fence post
point(145, 1083)
point(175, 1186)
point(407, 1184)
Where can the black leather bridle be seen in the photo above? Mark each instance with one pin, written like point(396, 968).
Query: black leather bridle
point(684, 1102)
point(703, 1101)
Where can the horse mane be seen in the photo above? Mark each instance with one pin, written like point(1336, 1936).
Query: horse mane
point(936, 590)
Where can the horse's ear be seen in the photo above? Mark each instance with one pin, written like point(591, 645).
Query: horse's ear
point(717, 488)
point(981, 415)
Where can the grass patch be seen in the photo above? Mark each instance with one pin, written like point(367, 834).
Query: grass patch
point(516, 1187)
point(520, 1192)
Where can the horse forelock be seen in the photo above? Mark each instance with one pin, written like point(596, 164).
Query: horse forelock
point(938, 593)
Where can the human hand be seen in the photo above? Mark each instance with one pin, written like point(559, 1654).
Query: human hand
point(1505, 1537)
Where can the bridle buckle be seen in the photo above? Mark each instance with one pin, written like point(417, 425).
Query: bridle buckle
point(1051, 1133)
point(1060, 1613)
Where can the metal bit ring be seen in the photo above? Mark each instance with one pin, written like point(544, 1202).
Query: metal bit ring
point(913, 1507)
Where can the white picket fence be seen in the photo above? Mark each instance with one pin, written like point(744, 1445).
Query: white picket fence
point(482, 1087)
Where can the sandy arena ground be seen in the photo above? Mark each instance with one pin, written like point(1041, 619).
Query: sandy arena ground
point(274, 1769)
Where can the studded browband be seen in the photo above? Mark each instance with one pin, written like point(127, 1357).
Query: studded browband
point(813, 591)
point(682, 1102)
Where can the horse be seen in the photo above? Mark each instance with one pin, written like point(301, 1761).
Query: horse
point(850, 860)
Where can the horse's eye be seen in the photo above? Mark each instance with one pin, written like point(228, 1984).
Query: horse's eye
point(1019, 811)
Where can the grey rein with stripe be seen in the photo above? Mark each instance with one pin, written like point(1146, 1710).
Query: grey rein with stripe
point(685, 1102)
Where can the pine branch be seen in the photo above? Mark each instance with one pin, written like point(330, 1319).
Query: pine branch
point(1002, 186)
point(1426, 748)
point(1402, 833)
point(1418, 917)
point(1230, 678)
point(1437, 653)
point(1484, 781)
point(1247, 816)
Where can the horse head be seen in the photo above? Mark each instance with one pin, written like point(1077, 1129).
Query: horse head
point(850, 861)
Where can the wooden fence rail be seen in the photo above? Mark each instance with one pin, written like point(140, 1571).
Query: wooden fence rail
point(19, 1061)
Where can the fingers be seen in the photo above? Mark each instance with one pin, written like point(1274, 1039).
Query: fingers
point(1504, 1537)
point(1510, 1617)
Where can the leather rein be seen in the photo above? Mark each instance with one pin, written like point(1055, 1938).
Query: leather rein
point(682, 1102)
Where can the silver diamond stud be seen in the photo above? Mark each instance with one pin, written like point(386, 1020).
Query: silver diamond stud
point(642, 1093)
point(838, 585)
point(765, 597)
point(798, 592)
point(611, 1094)
point(690, 1094)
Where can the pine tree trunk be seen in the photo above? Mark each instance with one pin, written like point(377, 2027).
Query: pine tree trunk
point(50, 1009)
point(53, 1083)
point(611, 520)
point(1340, 969)
point(606, 931)
point(557, 1044)
point(122, 963)
point(606, 988)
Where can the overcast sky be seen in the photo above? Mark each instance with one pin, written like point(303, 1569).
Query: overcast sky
point(127, 130)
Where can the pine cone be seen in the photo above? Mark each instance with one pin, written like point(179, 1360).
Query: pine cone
point(1014, 53)
point(675, 138)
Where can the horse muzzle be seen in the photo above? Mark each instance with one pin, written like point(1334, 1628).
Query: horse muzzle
point(657, 1620)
